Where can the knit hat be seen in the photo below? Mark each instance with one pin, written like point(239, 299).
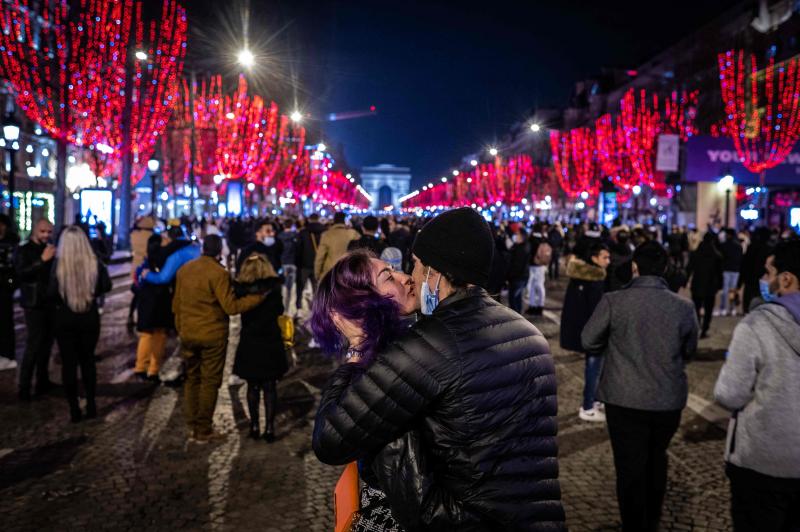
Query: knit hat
point(458, 243)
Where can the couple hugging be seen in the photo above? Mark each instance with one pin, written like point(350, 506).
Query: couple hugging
point(452, 417)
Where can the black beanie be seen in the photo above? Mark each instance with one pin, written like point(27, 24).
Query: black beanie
point(458, 243)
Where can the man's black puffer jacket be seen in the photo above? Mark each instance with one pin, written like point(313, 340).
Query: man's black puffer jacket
point(478, 382)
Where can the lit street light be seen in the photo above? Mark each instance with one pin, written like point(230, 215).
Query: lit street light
point(246, 58)
point(493, 152)
point(153, 166)
point(535, 127)
point(296, 116)
point(11, 136)
point(141, 56)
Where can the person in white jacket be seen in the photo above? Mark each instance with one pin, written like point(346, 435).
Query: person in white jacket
point(760, 383)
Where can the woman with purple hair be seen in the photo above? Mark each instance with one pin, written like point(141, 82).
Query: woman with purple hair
point(360, 306)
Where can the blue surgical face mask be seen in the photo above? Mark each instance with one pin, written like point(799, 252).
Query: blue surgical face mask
point(766, 295)
point(269, 241)
point(429, 300)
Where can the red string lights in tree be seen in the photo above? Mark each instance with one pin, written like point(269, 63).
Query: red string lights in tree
point(246, 134)
point(573, 159)
point(612, 156)
point(641, 125)
point(67, 65)
point(764, 124)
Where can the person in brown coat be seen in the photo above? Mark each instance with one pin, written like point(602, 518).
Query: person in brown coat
point(203, 300)
point(142, 231)
point(333, 245)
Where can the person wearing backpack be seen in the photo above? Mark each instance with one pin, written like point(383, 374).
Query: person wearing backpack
point(759, 384)
point(541, 255)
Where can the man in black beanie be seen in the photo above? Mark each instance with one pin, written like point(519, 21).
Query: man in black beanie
point(477, 383)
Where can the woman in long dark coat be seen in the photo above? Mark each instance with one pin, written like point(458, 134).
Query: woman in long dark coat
point(705, 269)
point(261, 356)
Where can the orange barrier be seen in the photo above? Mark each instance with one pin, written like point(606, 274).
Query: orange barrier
point(345, 498)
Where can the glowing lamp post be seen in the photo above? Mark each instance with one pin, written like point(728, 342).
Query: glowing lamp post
point(153, 166)
point(11, 136)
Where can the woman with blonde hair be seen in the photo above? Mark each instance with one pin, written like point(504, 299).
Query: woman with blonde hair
point(80, 278)
point(261, 356)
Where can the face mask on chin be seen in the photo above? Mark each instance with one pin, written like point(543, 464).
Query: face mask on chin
point(429, 300)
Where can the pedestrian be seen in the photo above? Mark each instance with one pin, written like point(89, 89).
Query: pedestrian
point(142, 231)
point(80, 278)
point(555, 237)
point(307, 244)
point(586, 286)
point(517, 273)
point(752, 269)
point(154, 313)
point(203, 300)
point(369, 239)
point(758, 383)
point(288, 238)
point(393, 257)
point(646, 333)
point(399, 236)
point(732, 255)
point(540, 258)
point(266, 243)
point(705, 270)
point(621, 252)
point(33, 269)
point(333, 245)
point(475, 377)
point(260, 355)
point(9, 241)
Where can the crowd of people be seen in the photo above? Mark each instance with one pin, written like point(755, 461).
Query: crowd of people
point(446, 395)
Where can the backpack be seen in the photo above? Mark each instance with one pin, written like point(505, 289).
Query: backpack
point(544, 254)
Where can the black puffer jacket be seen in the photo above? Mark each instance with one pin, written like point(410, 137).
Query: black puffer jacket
point(478, 383)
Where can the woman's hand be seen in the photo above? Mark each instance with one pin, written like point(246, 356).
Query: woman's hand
point(351, 330)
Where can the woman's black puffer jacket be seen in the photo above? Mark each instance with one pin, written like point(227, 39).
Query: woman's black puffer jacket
point(478, 382)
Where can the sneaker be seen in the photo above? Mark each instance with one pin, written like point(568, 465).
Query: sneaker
point(600, 406)
point(592, 414)
point(235, 380)
point(7, 363)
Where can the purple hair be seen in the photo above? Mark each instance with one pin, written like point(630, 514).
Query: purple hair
point(348, 290)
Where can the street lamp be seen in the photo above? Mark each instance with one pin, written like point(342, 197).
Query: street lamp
point(535, 127)
point(726, 184)
point(493, 152)
point(11, 136)
point(153, 165)
point(296, 116)
point(246, 58)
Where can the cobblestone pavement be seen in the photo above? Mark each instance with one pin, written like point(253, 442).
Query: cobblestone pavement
point(133, 469)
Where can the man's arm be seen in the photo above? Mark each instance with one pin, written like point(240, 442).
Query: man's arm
point(362, 410)
point(167, 273)
point(690, 338)
point(595, 333)
point(319, 259)
point(737, 378)
point(223, 291)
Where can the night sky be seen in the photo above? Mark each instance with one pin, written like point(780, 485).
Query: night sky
point(446, 77)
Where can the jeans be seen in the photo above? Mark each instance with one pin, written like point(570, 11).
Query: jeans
point(39, 325)
point(305, 275)
point(77, 336)
point(729, 282)
point(515, 290)
point(639, 441)
point(7, 335)
point(204, 366)
point(760, 502)
point(591, 374)
point(290, 280)
point(536, 293)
